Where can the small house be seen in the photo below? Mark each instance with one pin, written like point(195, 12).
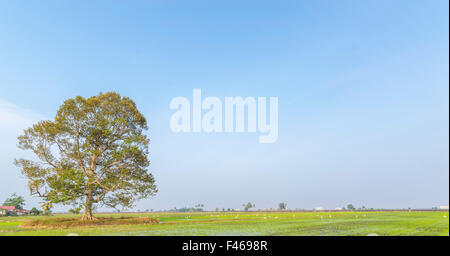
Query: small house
point(5, 209)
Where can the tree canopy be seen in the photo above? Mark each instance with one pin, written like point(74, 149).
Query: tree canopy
point(94, 152)
point(15, 200)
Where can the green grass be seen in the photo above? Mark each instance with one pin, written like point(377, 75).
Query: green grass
point(400, 223)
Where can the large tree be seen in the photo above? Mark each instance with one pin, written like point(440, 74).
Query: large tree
point(94, 152)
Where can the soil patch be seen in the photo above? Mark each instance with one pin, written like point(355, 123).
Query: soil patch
point(73, 223)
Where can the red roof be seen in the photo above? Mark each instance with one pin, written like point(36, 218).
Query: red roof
point(8, 207)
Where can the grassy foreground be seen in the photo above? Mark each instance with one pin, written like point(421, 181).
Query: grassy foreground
point(401, 223)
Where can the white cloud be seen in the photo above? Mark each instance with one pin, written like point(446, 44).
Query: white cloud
point(15, 116)
point(13, 120)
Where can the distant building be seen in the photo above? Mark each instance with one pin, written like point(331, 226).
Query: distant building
point(8, 208)
point(319, 208)
point(444, 207)
point(5, 209)
point(338, 209)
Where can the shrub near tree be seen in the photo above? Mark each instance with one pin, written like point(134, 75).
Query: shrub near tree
point(94, 152)
point(35, 211)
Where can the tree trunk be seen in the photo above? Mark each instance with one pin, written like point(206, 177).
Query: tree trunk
point(88, 207)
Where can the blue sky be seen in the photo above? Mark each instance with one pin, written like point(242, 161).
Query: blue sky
point(363, 90)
